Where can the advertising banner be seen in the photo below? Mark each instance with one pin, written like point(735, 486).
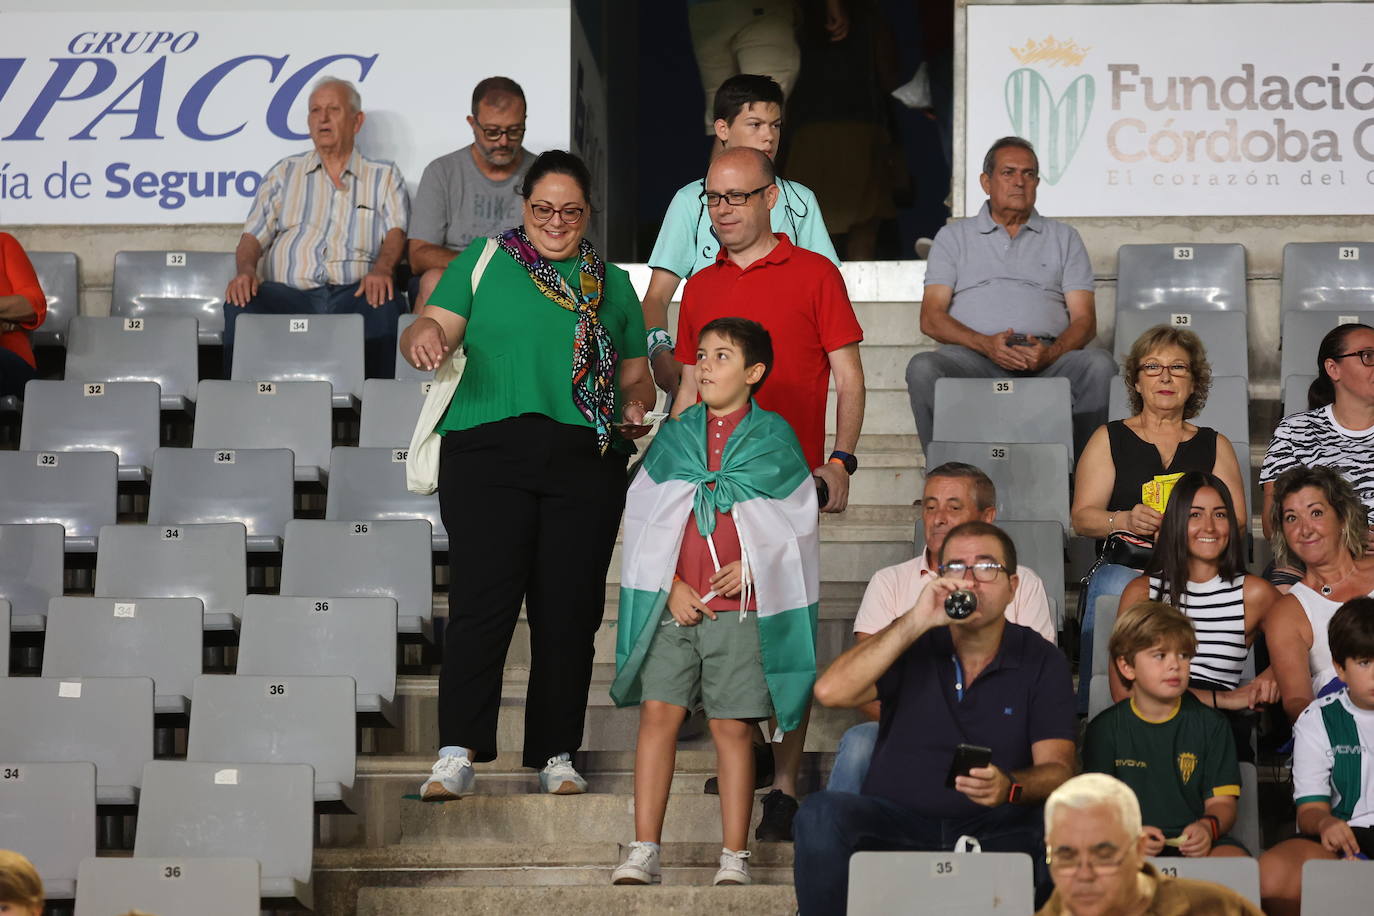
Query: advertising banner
point(174, 117)
point(1226, 109)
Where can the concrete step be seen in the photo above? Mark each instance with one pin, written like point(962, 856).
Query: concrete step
point(758, 900)
point(886, 413)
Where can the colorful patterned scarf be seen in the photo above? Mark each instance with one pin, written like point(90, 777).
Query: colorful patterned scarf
point(594, 356)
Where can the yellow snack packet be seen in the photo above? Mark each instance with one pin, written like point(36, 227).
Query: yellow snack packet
point(1155, 493)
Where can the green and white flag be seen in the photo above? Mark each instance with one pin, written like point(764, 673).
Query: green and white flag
point(765, 485)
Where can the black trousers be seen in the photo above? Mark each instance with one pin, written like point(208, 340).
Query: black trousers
point(532, 511)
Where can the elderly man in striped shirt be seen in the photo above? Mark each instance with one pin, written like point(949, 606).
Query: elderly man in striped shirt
point(332, 224)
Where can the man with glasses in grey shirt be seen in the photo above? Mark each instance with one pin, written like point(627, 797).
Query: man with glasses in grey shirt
point(471, 192)
point(1009, 293)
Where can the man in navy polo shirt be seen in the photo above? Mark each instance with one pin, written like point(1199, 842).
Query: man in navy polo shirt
point(942, 682)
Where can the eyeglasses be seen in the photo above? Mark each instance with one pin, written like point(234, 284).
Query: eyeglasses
point(494, 133)
point(1154, 369)
point(733, 198)
point(571, 215)
point(1366, 356)
point(1067, 861)
point(982, 572)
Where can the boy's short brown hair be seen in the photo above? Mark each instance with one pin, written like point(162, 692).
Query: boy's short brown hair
point(19, 881)
point(1146, 624)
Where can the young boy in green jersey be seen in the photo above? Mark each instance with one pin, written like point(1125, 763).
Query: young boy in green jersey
point(1333, 766)
point(1175, 753)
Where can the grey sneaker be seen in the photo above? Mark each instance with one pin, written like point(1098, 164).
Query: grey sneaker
point(734, 868)
point(451, 777)
point(640, 866)
point(559, 777)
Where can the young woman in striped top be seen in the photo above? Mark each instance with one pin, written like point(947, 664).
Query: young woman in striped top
point(1199, 567)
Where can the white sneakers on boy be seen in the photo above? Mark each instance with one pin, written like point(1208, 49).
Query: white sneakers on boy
point(559, 777)
point(641, 866)
point(451, 777)
point(734, 868)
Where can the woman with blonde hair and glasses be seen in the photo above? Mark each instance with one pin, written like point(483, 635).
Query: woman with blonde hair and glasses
point(1167, 380)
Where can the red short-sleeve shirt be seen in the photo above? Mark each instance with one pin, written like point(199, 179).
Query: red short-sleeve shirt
point(800, 297)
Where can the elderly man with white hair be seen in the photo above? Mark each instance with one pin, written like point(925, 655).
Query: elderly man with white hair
point(332, 223)
point(1094, 841)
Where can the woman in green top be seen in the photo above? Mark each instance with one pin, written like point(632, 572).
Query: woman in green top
point(532, 469)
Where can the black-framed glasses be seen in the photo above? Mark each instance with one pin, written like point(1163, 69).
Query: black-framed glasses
point(733, 198)
point(983, 571)
point(1366, 356)
point(571, 215)
point(1154, 369)
point(1100, 860)
point(494, 133)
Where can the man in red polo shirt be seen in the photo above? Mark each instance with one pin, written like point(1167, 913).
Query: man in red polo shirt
point(799, 296)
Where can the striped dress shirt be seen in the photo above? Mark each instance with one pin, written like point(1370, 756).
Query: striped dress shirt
point(314, 233)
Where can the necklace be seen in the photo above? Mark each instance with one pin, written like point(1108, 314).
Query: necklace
point(1330, 587)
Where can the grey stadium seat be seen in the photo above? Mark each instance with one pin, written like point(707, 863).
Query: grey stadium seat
point(1239, 874)
point(202, 485)
point(1223, 334)
point(1335, 276)
point(404, 370)
point(57, 275)
point(1039, 545)
point(189, 283)
point(159, 349)
point(881, 883)
point(30, 572)
point(47, 814)
point(1295, 393)
point(1332, 886)
point(1186, 276)
point(260, 810)
point(77, 490)
point(325, 636)
point(302, 348)
point(1100, 688)
point(1003, 410)
point(119, 417)
point(106, 720)
point(1032, 478)
point(363, 560)
point(294, 415)
point(1303, 332)
point(4, 636)
point(370, 483)
point(206, 887)
point(208, 562)
point(1227, 409)
point(158, 638)
point(279, 719)
point(390, 410)
point(1247, 826)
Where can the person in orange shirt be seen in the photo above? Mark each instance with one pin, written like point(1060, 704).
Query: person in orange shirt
point(22, 308)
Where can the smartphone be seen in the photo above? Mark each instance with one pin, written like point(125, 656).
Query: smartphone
point(655, 416)
point(967, 757)
point(1018, 340)
point(822, 491)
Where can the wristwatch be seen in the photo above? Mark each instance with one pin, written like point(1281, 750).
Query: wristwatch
point(850, 463)
point(1014, 794)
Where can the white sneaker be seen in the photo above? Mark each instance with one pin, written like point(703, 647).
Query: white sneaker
point(640, 866)
point(451, 777)
point(560, 778)
point(734, 867)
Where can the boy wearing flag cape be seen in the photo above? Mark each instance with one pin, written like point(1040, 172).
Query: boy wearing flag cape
point(719, 590)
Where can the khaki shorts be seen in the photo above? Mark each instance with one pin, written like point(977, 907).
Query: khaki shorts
point(716, 664)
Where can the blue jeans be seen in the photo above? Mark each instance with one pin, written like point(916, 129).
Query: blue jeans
point(852, 758)
point(379, 324)
point(1110, 579)
point(832, 826)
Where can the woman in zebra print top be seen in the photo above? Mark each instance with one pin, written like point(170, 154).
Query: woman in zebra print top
point(1199, 567)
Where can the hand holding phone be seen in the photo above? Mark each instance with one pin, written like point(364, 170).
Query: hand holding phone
point(967, 757)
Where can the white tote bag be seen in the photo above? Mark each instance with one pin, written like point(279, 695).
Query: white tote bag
point(422, 460)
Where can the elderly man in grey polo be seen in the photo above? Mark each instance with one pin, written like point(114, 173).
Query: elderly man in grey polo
point(1009, 293)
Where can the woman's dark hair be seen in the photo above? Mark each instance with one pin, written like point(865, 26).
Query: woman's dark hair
point(1322, 390)
point(1170, 558)
point(753, 340)
point(1339, 495)
point(741, 90)
point(1350, 634)
point(557, 162)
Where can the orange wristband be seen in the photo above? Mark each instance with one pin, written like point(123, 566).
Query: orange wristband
point(835, 461)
